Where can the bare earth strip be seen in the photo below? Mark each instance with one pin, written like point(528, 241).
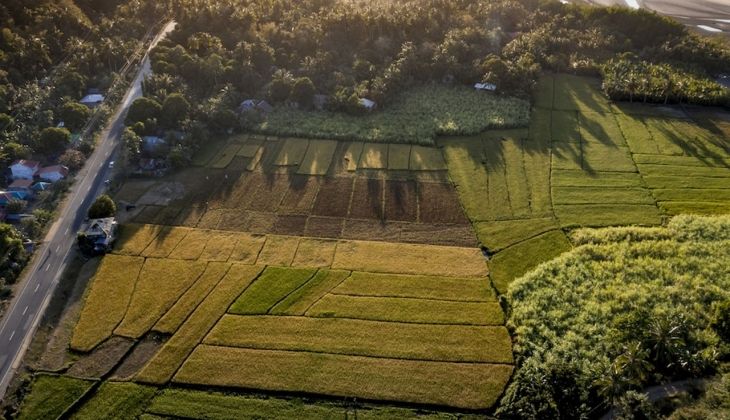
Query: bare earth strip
point(463, 385)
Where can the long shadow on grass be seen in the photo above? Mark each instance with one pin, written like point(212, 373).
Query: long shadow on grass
point(695, 147)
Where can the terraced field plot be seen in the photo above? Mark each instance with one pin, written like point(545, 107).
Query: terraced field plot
point(685, 164)
point(374, 206)
point(340, 318)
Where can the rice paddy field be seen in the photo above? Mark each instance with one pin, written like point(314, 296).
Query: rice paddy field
point(339, 276)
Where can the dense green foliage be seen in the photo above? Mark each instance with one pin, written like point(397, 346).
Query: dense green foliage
point(102, 207)
point(625, 309)
point(660, 83)
point(416, 116)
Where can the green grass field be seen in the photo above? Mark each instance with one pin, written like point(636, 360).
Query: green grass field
point(51, 395)
point(118, 400)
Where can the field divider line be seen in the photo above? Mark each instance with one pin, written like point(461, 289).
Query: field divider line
point(404, 322)
point(413, 298)
point(369, 356)
point(199, 303)
point(205, 333)
point(304, 313)
point(293, 290)
point(129, 302)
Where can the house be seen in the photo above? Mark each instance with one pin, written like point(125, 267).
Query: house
point(92, 100)
point(7, 196)
point(98, 235)
point(53, 173)
point(22, 186)
point(368, 104)
point(40, 186)
point(152, 143)
point(255, 105)
point(24, 169)
point(490, 87)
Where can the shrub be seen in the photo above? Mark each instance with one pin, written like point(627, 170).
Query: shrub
point(103, 207)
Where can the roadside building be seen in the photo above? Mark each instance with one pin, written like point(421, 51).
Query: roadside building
point(24, 169)
point(368, 104)
point(22, 186)
point(92, 100)
point(53, 173)
point(98, 235)
point(255, 105)
point(488, 87)
point(152, 144)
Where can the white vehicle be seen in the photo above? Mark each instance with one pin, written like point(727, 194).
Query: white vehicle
point(111, 165)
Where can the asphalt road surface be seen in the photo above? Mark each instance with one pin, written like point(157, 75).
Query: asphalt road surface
point(29, 304)
point(709, 16)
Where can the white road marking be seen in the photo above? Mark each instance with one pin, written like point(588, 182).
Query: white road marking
point(66, 233)
point(58, 248)
point(634, 4)
point(36, 287)
point(12, 335)
point(48, 266)
point(722, 20)
point(25, 310)
point(709, 28)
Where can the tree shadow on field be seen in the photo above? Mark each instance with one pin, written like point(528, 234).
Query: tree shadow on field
point(695, 147)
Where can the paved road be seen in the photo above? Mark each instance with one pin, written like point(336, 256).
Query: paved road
point(710, 16)
point(40, 280)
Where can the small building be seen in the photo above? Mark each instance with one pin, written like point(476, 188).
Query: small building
point(22, 186)
point(368, 104)
point(153, 143)
point(92, 100)
point(53, 173)
point(6, 197)
point(41, 186)
point(255, 105)
point(24, 169)
point(98, 235)
point(489, 87)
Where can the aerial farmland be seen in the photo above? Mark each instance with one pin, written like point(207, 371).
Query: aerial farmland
point(390, 240)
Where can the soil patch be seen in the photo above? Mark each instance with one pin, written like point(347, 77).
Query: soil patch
point(333, 199)
point(439, 203)
point(103, 359)
point(140, 355)
point(400, 201)
point(324, 227)
point(290, 225)
point(367, 199)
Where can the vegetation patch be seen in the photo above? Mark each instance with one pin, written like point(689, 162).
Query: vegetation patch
point(51, 395)
point(463, 385)
point(423, 287)
point(107, 300)
point(518, 259)
point(173, 318)
point(364, 338)
point(422, 311)
point(412, 259)
point(630, 308)
point(161, 283)
point(301, 299)
point(270, 288)
point(164, 364)
point(415, 116)
point(119, 400)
